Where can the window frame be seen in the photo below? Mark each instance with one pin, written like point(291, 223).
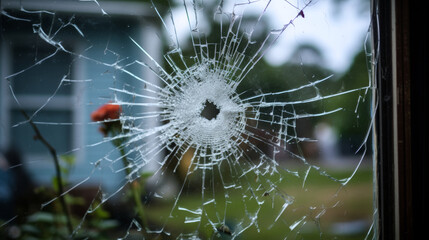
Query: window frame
point(401, 58)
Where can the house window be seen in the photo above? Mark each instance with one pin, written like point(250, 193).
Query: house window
point(36, 83)
point(32, 89)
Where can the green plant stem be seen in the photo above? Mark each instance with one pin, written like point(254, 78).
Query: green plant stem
point(135, 190)
point(53, 152)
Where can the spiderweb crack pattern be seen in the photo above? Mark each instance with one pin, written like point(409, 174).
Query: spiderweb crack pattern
point(196, 123)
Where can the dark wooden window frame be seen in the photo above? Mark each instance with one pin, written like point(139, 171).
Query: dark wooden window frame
point(400, 34)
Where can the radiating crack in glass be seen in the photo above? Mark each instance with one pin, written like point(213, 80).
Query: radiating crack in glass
point(198, 125)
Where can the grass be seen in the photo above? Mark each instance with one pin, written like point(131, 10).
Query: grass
point(321, 203)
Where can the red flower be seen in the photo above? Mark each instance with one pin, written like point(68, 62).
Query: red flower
point(108, 112)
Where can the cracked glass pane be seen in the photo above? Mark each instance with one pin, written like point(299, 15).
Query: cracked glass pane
point(186, 119)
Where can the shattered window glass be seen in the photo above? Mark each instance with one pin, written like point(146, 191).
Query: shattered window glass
point(186, 119)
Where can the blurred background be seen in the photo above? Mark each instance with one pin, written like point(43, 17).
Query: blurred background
point(60, 89)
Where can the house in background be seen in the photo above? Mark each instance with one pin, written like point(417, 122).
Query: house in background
point(60, 58)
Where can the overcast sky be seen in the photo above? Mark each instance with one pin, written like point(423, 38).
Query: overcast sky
point(338, 32)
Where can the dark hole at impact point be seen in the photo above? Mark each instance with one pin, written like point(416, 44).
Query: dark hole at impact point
point(210, 110)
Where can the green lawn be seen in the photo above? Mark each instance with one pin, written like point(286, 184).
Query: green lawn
point(319, 208)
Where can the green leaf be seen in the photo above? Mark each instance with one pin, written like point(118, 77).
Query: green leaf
point(101, 213)
point(41, 217)
point(30, 229)
point(68, 159)
point(146, 175)
point(107, 224)
point(72, 200)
